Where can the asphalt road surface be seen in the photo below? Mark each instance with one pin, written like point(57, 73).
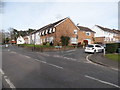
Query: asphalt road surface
point(62, 69)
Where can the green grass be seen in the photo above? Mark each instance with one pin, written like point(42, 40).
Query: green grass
point(115, 57)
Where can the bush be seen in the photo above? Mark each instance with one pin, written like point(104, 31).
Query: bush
point(44, 43)
point(65, 40)
point(112, 47)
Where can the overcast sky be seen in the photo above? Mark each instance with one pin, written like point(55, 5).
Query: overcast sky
point(24, 15)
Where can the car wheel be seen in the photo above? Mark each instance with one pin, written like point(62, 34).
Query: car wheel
point(94, 51)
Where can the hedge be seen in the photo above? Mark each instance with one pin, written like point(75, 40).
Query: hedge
point(112, 47)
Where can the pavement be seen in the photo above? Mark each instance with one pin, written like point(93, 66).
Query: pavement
point(99, 58)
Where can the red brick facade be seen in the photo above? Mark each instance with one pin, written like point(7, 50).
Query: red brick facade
point(65, 28)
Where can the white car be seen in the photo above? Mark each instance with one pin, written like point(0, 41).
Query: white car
point(93, 48)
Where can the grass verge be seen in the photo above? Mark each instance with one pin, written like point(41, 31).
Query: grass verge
point(115, 57)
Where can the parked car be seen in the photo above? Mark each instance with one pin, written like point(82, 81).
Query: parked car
point(93, 48)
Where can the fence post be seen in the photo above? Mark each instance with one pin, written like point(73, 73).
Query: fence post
point(104, 51)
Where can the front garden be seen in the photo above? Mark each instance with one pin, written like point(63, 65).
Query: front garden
point(115, 57)
point(62, 45)
point(45, 47)
point(113, 51)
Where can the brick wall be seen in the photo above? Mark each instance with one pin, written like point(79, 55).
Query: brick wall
point(66, 28)
point(82, 36)
point(99, 39)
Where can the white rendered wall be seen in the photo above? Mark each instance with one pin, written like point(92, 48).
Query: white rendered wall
point(37, 38)
point(99, 32)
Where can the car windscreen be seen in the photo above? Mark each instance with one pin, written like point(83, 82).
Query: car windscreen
point(90, 46)
point(97, 46)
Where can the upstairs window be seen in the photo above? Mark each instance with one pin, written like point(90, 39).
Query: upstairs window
point(75, 31)
point(50, 31)
point(53, 30)
point(88, 33)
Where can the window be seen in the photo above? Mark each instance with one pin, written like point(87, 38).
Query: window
point(88, 33)
point(74, 40)
point(90, 46)
point(50, 31)
point(43, 33)
point(75, 31)
point(40, 33)
point(53, 30)
point(51, 39)
point(97, 46)
point(46, 31)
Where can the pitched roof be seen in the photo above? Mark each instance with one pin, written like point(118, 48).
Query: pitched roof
point(109, 30)
point(85, 29)
point(49, 26)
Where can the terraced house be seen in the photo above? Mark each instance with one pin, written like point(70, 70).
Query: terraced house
point(64, 27)
point(106, 35)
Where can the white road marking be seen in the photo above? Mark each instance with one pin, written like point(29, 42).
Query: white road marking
point(70, 51)
point(13, 52)
point(40, 61)
point(7, 80)
point(44, 54)
point(55, 65)
point(26, 56)
point(70, 58)
point(115, 69)
point(1, 71)
point(98, 64)
point(56, 56)
point(65, 57)
point(102, 81)
point(92, 62)
point(88, 59)
point(49, 64)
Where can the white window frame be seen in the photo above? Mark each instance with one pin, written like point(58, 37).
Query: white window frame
point(50, 31)
point(75, 31)
point(46, 32)
point(53, 30)
point(88, 33)
point(42, 32)
point(73, 40)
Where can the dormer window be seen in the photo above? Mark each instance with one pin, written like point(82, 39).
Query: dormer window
point(53, 30)
point(46, 31)
point(40, 33)
point(50, 31)
point(43, 33)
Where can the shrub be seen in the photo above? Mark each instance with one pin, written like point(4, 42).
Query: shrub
point(112, 47)
point(44, 43)
point(65, 40)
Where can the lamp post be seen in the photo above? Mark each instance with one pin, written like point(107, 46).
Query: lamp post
point(76, 40)
point(77, 36)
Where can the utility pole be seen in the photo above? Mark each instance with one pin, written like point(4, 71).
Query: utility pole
point(34, 39)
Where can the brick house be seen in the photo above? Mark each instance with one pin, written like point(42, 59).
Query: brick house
point(86, 34)
point(64, 27)
point(105, 35)
point(54, 31)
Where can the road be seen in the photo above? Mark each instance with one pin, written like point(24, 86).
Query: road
point(62, 69)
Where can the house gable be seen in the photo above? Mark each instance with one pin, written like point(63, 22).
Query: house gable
point(66, 28)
